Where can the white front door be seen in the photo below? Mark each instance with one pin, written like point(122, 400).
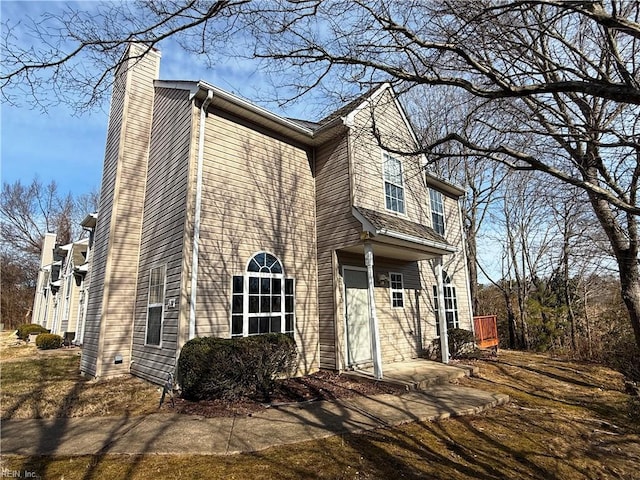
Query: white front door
point(357, 316)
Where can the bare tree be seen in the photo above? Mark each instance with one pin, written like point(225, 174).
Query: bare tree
point(27, 212)
point(18, 287)
point(30, 211)
point(72, 53)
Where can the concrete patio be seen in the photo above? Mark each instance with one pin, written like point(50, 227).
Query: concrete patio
point(418, 373)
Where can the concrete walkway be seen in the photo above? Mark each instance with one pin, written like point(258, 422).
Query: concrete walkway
point(185, 434)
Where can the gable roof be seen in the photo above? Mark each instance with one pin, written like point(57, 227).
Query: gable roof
point(305, 131)
point(351, 106)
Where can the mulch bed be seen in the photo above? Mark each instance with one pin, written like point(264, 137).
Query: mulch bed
point(322, 385)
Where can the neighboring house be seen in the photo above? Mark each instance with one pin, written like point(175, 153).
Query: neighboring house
point(43, 303)
point(220, 218)
point(88, 225)
point(61, 289)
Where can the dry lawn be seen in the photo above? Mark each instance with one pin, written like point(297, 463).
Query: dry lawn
point(566, 421)
point(48, 384)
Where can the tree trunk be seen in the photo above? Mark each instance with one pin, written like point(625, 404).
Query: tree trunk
point(630, 285)
point(511, 319)
point(523, 294)
point(624, 242)
point(473, 270)
point(565, 279)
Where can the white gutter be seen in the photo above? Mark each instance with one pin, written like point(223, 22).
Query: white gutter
point(418, 240)
point(196, 221)
point(264, 113)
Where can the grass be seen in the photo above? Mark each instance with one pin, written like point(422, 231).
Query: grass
point(12, 348)
point(566, 421)
point(48, 384)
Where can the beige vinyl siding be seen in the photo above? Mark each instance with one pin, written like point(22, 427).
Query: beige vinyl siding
point(337, 228)
point(163, 229)
point(69, 295)
point(454, 265)
point(457, 269)
point(70, 314)
point(258, 195)
point(367, 159)
point(400, 328)
point(117, 241)
point(89, 359)
point(46, 257)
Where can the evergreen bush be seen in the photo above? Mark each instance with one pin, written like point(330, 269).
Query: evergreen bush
point(48, 341)
point(210, 368)
point(27, 329)
point(460, 341)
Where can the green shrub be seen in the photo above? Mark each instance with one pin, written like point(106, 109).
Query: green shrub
point(211, 367)
point(460, 341)
point(28, 328)
point(48, 341)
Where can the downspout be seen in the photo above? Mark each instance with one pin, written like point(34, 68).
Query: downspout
point(196, 220)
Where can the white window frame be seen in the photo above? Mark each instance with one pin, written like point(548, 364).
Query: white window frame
point(450, 303)
point(245, 294)
point(393, 288)
point(67, 299)
point(385, 181)
point(435, 211)
point(156, 304)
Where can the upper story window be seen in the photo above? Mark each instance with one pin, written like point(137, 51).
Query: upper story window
point(393, 184)
point(262, 298)
point(437, 211)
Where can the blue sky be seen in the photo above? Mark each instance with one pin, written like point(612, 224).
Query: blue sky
point(58, 145)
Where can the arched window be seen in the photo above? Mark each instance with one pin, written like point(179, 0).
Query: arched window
point(450, 303)
point(263, 299)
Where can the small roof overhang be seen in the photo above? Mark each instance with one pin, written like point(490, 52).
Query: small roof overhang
point(82, 269)
point(396, 237)
point(89, 221)
point(439, 183)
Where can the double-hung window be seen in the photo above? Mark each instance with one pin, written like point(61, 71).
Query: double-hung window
point(393, 184)
point(263, 299)
point(397, 290)
point(450, 304)
point(437, 211)
point(155, 305)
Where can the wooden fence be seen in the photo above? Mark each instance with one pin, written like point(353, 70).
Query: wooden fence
point(486, 329)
